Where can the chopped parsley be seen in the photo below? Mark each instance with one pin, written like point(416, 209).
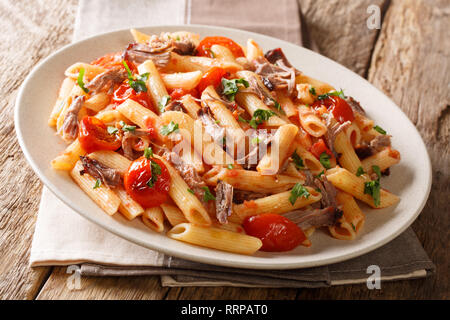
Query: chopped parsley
point(97, 184)
point(80, 80)
point(171, 127)
point(277, 105)
point(138, 82)
point(298, 161)
point(148, 152)
point(259, 116)
point(162, 104)
point(339, 94)
point(353, 226)
point(127, 127)
point(297, 192)
point(208, 195)
point(377, 170)
point(255, 141)
point(312, 90)
point(230, 87)
point(242, 119)
point(230, 166)
point(156, 171)
point(325, 160)
point(360, 171)
point(380, 130)
point(373, 188)
point(112, 130)
point(191, 191)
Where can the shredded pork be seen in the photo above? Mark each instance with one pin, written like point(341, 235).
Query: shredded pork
point(69, 128)
point(109, 177)
point(224, 201)
point(107, 80)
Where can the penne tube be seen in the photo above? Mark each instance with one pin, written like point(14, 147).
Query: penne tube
point(222, 53)
point(193, 158)
point(230, 226)
point(353, 134)
point(190, 205)
point(193, 131)
point(311, 122)
point(64, 91)
point(103, 196)
point(69, 157)
point(350, 183)
point(383, 159)
point(129, 208)
point(112, 159)
point(191, 106)
point(180, 63)
point(90, 71)
point(287, 105)
point(254, 51)
point(173, 214)
point(319, 86)
point(110, 116)
point(154, 219)
point(156, 88)
point(348, 157)
point(304, 93)
point(309, 160)
point(184, 80)
point(280, 150)
point(352, 220)
point(250, 102)
point(253, 181)
point(97, 102)
point(278, 203)
point(215, 238)
point(139, 36)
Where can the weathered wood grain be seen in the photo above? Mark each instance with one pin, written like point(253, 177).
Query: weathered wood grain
point(27, 36)
point(107, 288)
point(339, 29)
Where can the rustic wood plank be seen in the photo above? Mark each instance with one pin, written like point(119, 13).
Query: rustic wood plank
point(28, 35)
point(410, 64)
point(102, 288)
point(340, 30)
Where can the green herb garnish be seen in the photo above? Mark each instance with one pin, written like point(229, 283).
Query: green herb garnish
point(312, 90)
point(127, 127)
point(339, 94)
point(325, 160)
point(80, 80)
point(138, 82)
point(320, 174)
point(156, 171)
point(191, 191)
point(255, 141)
point(112, 130)
point(373, 188)
point(259, 116)
point(171, 127)
point(377, 170)
point(97, 184)
point(230, 87)
point(298, 191)
point(162, 104)
point(298, 161)
point(230, 166)
point(148, 152)
point(360, 171)
point(380, 130)
point(208, 195)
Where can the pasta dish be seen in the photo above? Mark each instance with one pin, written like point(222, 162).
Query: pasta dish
point(219, 144)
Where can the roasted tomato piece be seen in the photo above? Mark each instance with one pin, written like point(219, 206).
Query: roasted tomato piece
point(204, 47)
point(340, 109)
point(276, 232)
point(211, 77)
point(320, 147)
point(93, 136)
point(147, 181)
point(125, 92)
point(109, 60)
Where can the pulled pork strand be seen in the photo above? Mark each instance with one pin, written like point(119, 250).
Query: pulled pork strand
point(224, 201)
point(109, 177)
point(317, 218)
point(129, 140)
point(107, 80)
point(139, 52)
point(69, 128)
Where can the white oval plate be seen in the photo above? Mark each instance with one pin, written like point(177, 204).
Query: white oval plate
point(411, 179)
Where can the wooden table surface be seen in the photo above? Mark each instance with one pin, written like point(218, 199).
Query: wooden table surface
point(408, 59)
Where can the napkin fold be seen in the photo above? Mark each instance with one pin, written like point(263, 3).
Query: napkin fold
point(62, 237)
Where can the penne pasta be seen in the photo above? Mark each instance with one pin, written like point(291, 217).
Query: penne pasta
point(383, 159)
point(129, 208)
point(155, 84)
point(184, 80)
point(154, 219)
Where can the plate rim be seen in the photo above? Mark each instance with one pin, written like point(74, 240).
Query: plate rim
point(269, 265)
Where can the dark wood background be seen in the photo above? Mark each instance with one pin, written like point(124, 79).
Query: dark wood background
point(408, 59)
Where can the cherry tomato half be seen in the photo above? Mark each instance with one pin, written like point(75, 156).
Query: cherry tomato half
point(276, 232)
point(211, 77)
point(136, 182)
point(340, 109)
point(204, 47)
point(320, 147)
point(177, 93)
point(93, 136)
point(125, 92)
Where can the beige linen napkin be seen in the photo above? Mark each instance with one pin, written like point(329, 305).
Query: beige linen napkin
point(62, 237)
